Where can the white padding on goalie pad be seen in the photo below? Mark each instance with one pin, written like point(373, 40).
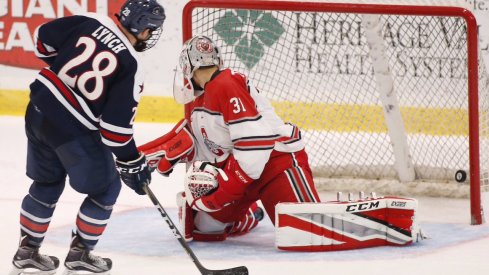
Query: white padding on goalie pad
point(346, 225)
point(300, 238)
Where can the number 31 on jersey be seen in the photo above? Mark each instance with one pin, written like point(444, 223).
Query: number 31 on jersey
point(238, 105)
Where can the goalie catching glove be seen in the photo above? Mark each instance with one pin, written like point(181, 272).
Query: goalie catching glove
point(208, 188)
point(166, 151)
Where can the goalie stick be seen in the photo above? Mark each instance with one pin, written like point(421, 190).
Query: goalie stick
point(240, 270)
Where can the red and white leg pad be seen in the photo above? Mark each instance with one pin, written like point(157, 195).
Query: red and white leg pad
point(200, 226)
point(188, 217)
point(185, 216)
point(336, 225)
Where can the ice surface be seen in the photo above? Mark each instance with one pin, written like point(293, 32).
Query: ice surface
point(139, 241)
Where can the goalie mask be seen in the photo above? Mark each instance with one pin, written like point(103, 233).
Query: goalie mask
point(138, 15)
point(198, 52)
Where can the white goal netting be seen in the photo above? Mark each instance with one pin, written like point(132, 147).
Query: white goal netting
point(383, 99)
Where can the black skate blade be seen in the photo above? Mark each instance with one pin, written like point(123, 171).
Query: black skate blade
point(240, 270)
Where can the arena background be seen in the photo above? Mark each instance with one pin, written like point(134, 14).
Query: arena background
point(18, 65)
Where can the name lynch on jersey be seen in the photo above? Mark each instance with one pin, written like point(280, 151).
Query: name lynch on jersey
point(107, 37)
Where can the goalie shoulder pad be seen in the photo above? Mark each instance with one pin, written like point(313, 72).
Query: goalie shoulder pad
point(331, 226)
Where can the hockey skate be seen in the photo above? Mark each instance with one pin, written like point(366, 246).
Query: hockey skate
point(27, 260)
point(81, 261)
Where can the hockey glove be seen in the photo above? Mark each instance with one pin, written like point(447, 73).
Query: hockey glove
point(231, 184)
point(166, 151)
point(135, 173)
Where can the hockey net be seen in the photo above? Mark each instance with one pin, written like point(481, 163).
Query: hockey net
point(391, 96)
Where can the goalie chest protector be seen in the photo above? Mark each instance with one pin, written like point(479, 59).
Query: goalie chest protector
point(331, 226)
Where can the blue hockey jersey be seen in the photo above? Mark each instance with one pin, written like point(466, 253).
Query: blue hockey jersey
point(93, 82)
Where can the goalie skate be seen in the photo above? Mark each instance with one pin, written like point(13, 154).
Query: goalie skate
point(80, 260)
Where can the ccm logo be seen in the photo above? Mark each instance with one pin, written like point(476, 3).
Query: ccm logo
point(398, 203)
point(362, 206)
point(241, 178)
point(175, 146)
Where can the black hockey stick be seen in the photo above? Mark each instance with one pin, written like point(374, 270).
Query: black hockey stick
point(240, 270)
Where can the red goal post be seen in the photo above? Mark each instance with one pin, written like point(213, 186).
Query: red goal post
point(407, 132)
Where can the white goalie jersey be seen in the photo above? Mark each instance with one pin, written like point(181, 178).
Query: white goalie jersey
point(231, 117)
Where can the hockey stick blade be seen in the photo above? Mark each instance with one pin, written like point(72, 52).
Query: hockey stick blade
point(240, 270)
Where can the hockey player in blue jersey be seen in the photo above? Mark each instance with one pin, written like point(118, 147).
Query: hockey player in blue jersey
point(80, 114)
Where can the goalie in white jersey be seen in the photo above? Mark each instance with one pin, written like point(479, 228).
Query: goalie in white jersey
point(234, 128)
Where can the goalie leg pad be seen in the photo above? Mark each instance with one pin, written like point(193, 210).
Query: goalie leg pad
point(332, 226)
point(185, 216)
point(208, 229)
point(214, 229)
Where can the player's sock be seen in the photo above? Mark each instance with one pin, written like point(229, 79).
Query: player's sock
point(91, 221)
point(35, 217)
point(27, 260)
point(80, 260)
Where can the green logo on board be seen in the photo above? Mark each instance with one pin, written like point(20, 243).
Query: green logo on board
point(249, 32)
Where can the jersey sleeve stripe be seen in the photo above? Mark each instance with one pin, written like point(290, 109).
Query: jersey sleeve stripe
point(253, 148)
point(255, 143)
point(294, 136)
point(200, 109)
point(43, 50)
point(244, 119)
point(270, 137)
point(114, 144)
point(115, 136)
point(117, 129)
point(122, 139)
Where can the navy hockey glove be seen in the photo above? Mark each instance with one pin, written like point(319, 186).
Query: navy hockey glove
point(135, 173)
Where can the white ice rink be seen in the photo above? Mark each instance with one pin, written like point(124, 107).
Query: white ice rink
point(139, 242)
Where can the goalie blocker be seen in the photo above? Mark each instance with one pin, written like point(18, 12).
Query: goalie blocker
point(166, 151)
point(332, 226)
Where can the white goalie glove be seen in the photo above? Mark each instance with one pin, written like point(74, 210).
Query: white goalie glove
point(201, 180)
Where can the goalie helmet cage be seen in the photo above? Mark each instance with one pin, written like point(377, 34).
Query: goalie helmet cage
point(386, 91)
